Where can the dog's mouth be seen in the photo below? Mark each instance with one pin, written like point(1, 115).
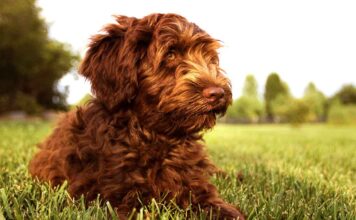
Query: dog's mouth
point(198, 108)
point(217, 107)
point(193, 115)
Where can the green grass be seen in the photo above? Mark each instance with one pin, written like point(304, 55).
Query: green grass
point(288, 173)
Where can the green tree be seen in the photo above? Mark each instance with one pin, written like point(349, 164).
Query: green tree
point(279, 107)
point(250, 87)
point(346, 95)
point(248, 108)
point(231, 114)
point(274, 89)
point(316, 101)
point(341, 106)
point(31, 63)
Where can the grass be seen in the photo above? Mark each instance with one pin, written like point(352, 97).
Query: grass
point(287, 173)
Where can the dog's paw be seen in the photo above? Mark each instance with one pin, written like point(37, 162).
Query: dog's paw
point(229, 212)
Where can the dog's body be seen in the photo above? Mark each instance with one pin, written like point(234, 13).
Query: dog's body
point(157, 85)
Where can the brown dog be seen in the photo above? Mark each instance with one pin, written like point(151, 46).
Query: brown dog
point(157, 84)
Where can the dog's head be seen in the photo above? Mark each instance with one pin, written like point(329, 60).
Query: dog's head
point(163, 67)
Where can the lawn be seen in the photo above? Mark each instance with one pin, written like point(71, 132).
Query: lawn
point(274, 172)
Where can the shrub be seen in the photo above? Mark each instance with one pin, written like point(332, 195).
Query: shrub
point(316, 102)
point(342, 114)
point(20, 102)
point(291, 110)
point(297, 112)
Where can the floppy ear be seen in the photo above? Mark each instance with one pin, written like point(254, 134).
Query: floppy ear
point(113, 58)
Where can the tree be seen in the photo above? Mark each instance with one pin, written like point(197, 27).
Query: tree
point(31, 63)
point(279, 107)
point(274, 88)
point(248, 108)
point(346, 95)
point(250, 87)
point(341, 107)
point(316, 101)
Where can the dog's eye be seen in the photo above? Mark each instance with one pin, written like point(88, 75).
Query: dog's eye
point(171, 55)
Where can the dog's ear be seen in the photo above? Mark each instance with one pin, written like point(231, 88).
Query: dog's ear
point(113, 59)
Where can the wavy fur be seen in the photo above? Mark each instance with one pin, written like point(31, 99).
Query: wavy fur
point(140, 137)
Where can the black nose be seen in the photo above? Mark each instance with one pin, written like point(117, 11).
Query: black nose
point(213, 93)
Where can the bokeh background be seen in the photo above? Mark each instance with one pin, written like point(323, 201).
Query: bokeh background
point(288, 62)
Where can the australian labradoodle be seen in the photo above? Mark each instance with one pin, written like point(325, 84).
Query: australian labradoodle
point(157, 86)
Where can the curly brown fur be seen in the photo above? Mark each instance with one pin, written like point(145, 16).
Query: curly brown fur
point(140, 138)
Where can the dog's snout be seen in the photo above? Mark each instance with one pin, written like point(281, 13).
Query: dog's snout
point(213, 93)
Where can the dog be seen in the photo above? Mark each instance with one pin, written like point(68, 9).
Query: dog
point(157, 86)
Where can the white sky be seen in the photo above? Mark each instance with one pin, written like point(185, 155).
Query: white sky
point(303, 41)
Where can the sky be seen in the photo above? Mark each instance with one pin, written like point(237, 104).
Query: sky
point(303, 41)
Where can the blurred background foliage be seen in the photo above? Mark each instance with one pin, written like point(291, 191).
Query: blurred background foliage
point(31, 62)
point(279, 106)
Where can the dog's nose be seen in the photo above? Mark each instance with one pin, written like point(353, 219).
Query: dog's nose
point(213, 93)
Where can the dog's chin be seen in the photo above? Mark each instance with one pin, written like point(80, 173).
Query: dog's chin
point(208, 118)
point(201, 120)
point(187, 118)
